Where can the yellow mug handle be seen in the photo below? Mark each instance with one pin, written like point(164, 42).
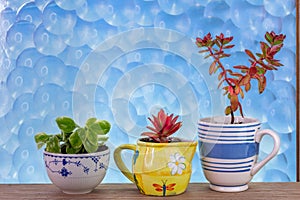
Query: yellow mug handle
point(119, 162)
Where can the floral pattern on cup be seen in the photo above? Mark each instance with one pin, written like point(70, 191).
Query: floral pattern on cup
point(177, 164)
point(67, 161)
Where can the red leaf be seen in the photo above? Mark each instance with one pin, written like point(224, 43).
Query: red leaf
point(228, 46)
point(212, 68)
point(264, 47)
point(245, 80)
point(237, 89)
point(221, 75)
point(242, 93)
point(247, 87)
point(262, 82)
point(252, 71)
point(150, 134)
point(250, 54)
point(234, 101)
point(243, 67)
point(220, 83)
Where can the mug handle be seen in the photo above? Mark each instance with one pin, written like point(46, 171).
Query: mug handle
point(275, 150)
point(119, 162)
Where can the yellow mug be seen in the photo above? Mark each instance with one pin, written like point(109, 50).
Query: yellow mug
point(159, 169)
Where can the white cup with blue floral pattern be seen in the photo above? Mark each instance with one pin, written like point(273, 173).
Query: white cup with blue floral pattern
point(77, 173)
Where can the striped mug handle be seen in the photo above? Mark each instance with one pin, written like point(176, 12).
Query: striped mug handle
point(274, 152)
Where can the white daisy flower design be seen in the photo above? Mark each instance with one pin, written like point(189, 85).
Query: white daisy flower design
point(176, 164)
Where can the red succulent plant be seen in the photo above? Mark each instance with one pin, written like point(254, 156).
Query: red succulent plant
point(234, 83)
point(164, 125)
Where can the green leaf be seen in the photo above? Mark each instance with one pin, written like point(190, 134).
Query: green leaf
point(75, 140)
point(72, 150)
point(102, 139)
point(105, 126)
point(92, 136)
point(89, 139)
point(82, 134)
point(269, 37)
point(227, 110)
point(277, 42)
point(41, 139)
point(66, 124)
point(53, 145)
point(260, 71)
point(90, 121)
point(90, 147)
point(99, 127)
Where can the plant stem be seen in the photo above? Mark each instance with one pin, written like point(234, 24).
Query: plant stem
point(217, 59)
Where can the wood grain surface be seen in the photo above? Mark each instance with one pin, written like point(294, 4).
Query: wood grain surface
point(265, 191)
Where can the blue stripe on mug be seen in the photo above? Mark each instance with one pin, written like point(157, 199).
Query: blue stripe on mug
point(227, 163)
point(227, 126)
point(228, 151)
point(216, 167)
point(227, 171)
point(225, 136)
point(233, 140)
point(224, 131)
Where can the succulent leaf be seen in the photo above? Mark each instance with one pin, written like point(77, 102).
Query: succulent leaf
point(164, 125)
point(259, 64)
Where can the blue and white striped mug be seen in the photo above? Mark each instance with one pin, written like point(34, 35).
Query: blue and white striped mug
point(229, 151)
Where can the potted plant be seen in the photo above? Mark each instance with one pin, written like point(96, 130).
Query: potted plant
point(229, 145)
point(76, 159)
point(161, 164)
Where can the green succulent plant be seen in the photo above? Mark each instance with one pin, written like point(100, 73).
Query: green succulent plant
point(235, 83)
point(74, 139)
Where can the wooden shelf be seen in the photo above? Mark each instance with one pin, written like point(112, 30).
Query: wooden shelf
point(274, 191)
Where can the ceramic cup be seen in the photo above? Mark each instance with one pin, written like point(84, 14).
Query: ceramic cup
point(158, 169)
point(229, 152)
point(77, 173)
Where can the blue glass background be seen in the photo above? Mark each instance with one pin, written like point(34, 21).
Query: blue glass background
point(121, 60)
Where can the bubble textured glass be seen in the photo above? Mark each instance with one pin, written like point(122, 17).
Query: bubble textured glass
point(124, 60)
